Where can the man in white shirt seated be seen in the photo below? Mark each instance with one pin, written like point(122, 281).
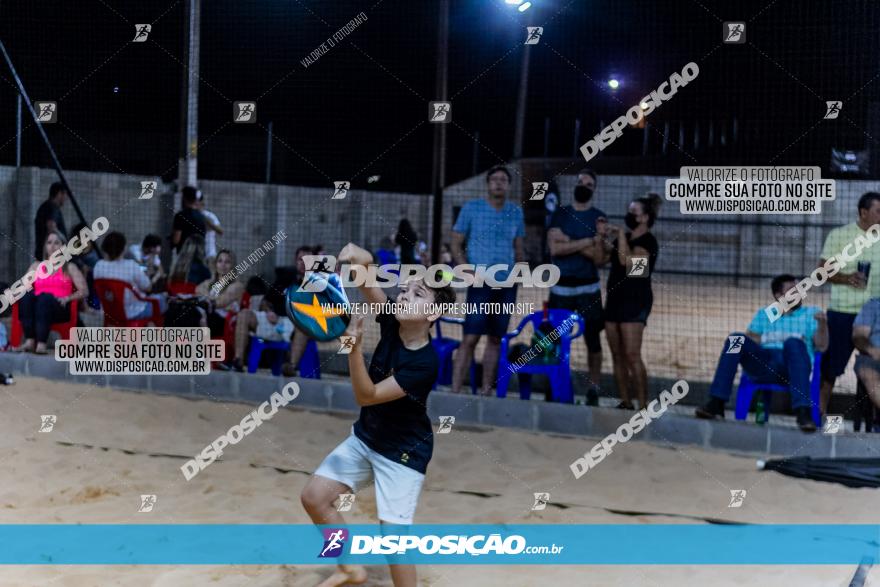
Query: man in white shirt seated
point(116, 267)
point(147, 255)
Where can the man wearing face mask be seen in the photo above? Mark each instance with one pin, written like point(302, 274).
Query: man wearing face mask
point(773, 352)
point(575, 238)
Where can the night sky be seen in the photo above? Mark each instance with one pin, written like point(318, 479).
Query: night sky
point(361, 109)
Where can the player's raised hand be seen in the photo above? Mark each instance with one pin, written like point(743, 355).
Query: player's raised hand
point(354, 255)
point(356, 329)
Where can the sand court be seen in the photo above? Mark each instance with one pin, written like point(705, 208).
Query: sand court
point(109, 447)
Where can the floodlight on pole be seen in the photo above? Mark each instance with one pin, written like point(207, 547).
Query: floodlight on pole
point(613, 84)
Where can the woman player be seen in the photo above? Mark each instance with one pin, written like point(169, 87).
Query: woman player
point(392, 440)
point(629, 298)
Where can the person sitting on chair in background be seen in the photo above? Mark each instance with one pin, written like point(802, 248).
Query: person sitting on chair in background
point(286, 277)
point(446, 254)
point(190, 265)
point(223, 292)
point(147, 254)
point(115, 267)
point(48, 303)
point(866, 338)
point(629, 298)
point(385, 254)
point(265, 324)
point(778, 352)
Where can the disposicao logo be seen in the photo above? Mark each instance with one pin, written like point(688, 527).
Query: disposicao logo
point(334, 542)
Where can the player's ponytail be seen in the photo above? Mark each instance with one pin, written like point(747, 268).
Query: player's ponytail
point(651, 204)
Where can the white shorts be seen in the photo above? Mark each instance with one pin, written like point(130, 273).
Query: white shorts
point(354, 464)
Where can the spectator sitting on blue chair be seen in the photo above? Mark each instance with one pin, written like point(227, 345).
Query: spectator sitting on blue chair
point(385, 255)
point(265, 324)
point(773, 352)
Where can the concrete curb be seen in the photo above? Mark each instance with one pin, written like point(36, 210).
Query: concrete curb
point(322, 395)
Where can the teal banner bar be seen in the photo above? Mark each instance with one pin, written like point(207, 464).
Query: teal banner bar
point(531, 544)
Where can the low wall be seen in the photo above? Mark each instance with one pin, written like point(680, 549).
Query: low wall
point(336, 396)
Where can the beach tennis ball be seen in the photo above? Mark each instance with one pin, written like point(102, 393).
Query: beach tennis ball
point(318, 307)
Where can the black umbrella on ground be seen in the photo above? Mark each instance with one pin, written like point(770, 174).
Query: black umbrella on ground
point(852, 472)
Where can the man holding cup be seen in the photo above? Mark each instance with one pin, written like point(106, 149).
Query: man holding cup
point(850, 289)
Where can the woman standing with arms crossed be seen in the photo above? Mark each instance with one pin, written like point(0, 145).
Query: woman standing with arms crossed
point(629, 297)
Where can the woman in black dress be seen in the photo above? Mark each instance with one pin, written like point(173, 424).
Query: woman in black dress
point(629, 297)
point(407, 239)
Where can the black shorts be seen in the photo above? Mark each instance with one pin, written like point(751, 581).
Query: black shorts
point(491, 323)
point(589, 306)
point(627, 312)
point(840, 344)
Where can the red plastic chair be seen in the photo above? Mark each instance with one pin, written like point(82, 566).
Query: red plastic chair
point(111, 293)
point(62, 328)
point(177, 288)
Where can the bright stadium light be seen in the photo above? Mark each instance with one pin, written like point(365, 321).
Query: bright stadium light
point(525, 6)
point(613, 84)
point(514, 2)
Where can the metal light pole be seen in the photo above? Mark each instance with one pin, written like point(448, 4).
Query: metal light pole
point(189, 136)
point(18, 131)
point(269, 153)
point(521, 99)
point(438, 174)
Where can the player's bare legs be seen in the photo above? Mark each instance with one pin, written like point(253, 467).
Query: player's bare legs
point(403, 575)
point(317, 498)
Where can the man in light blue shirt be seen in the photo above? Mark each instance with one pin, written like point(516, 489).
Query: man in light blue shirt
point(778, 352)
point(493, 230)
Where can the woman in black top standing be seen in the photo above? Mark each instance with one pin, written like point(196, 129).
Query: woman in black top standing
point(407, 239)
point(629, 297)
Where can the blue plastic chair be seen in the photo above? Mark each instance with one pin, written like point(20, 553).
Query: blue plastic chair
point(309, 364)
point(258, 345)
point(747, 389)
point(559, 372)
point(445, 347)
